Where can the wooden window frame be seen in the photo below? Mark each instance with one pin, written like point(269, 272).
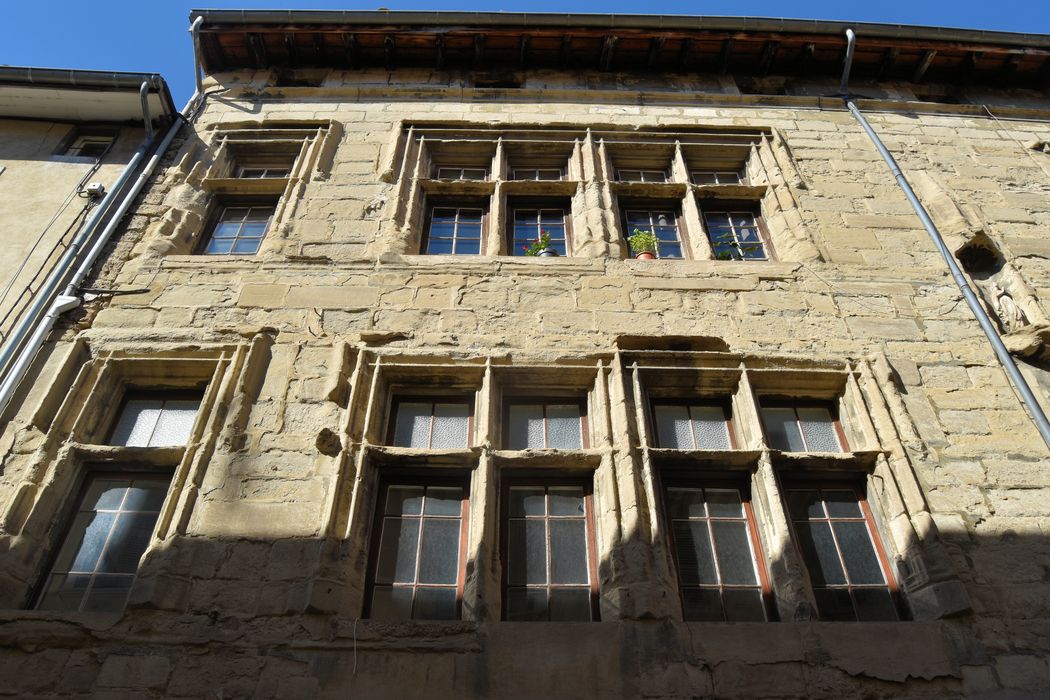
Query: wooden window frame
point(724, 403)
point(741, 177)
point(536, 170)
point(545, 400)
point(821, 485)
point(135, 394)
point(682, 480)
point(485, 170)
point(728, 207)
point(506, 484)
point(830, 406)
point(514, 204)
point(642, 173)
point(265, 165)
point(458, 204)
point(416, 478)
point(398, 399)
point(236, 203)
point(71, 507)
point(657, 205)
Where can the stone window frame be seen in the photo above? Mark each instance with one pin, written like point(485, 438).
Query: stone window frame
point(529, 398)
point(397, 399)
point(75, 415)
point(724, 404)
point(771, 180)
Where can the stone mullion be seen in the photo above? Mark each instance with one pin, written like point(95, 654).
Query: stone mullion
point(482, 592)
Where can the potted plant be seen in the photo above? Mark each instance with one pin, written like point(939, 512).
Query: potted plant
point(541, 247)
point(643, 244)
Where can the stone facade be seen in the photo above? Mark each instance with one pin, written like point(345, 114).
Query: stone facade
point(260, 575)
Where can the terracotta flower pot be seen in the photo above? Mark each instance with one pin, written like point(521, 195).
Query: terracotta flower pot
point(645, 255)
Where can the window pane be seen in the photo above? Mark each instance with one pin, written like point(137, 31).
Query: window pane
point(105, 494)
point(874, 604)
point(468, 246)
point(782, 429)
point(725, 503)
point(526, 427)
point(735, 561)
point(64, 593)
point(670, 250)
point(397, 551)
point(693, 547)
point(710, 428)
point(819, 429)
point(439, 552)
point(564, 427)
point(842, 504)
point(108, 593)
point(128, 539)
point(137, 421)
point(672, 427)
point(175, 423)
point(450, 425)
point(805, 504)
point(87, 538)
point(146, 495)
point(444, 500)
point(439, 246)
point(685, 503)
point(701, 604)
point(219, 246)
point(226, 230)
point(254, 229)
point(818, 550)
point(404, 500)
point(412, 427)
point(744, 605)
point(834, 604)
point(568, 551)
point(245, 246)
point(391, 603)
point(526, 603)
point(527, 555)
point(862, 565)
point(570, 604)
point(526, 501)
point(566, 501)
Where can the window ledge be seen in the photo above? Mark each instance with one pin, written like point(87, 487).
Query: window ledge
point(565, 460)
point(721, 459)
point(730, 192)
point(546, 188)
point(245, 186)
point(654, 190)
point(863, 460)
point(160, 456)
point(459, 188)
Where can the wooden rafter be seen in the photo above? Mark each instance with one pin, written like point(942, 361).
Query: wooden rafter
point(924, 65)
point(566, 50)
point(889, 59)
point(439, 51)
point(350, 50)
point(479, 50)
point(258, 49)
point(608, 51)
point(389, 51)
point(656, 47)
point(769, 52)
point(684, 54)
point(725, 55)
point(523, 51)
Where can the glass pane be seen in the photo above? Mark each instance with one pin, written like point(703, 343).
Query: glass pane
point(397, 551)
point(553, 220)
point(803, 505)
point(137, 421)
point(234, 214)
point(735, 561)
point(693, 547)
point(568, 551)
point(64, 593)
point(226, 230)
point(526, 604)
point(685, 503)
point(444, 500)
point(710, 428)
point(819, 429)
point(782, 429)
point(566, 501)
point(701, 604)
point(862, 564)
point(526, 501)
point(105, 494)
point(672, 427)
point(564, 427)
point(842, 504)
point(175, 423)
point(439, 552)
point(254, 229)
point(450, 425)
point(412, 427)
point(146, 495)
point(526, 427)
point(818, 550)
point(834, 604)
point(724, 503)
point(638, 219)
point(570, 604)
point(88, 535)
point(744, 605)
point(127, 541)
point(245, 246)
point(469, 216)
point(219, 247)
point(108, 593)
point(470, 246)
point(670, 250)
point(527, 555)
point(391, 603)
point(874, 604)
point(439, 246)
point(404, 500)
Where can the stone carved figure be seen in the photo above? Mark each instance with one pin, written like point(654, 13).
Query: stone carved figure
point(1007, 309)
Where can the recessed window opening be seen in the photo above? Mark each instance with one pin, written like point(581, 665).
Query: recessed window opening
point(239, 230)
point(532, 223)
point(155, 420)
point(448, 172)
point(557, 424)
point(692, 426)
point(454, 231)
point(734, 235)
point(717, 177)
point(635, 175)
point(425, 423)
point(663, 224)
point(803, 428)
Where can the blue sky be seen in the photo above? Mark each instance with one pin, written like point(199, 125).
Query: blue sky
point(151, 36)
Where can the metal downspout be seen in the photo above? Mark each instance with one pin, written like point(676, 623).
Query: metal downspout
point(146, 120)
point(195, 33)
point(1005, 359)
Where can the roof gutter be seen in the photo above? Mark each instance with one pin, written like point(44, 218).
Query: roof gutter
point(107, 81)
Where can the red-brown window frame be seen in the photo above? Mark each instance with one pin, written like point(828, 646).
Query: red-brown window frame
point(398, 399)
point(683, 480)
point(563, 203)
point(587, 485)
point(724, 403)
point(480, 203)
point(811, 484)
point(415, 478)
point(545, 400)
point(673, 205)
point(782, 402)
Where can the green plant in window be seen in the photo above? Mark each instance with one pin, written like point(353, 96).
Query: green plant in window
point(643, 242)
point(538, 246)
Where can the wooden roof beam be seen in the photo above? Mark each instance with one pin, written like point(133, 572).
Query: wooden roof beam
point(258, 49)
point(523, 51)
point(769, 52)
point(289, 45)
point(389, 51)
point(805, 57)
point(924, 65)
point(608, 51)
point(1044, 74)
point(350, 50)
point(439, 46)
point(319, 52)
point(1009, 68)
point(684, 54)
point(723, 59)
point(566, 50)
point(889, 58)
point(656, 47)
point(479, 50)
